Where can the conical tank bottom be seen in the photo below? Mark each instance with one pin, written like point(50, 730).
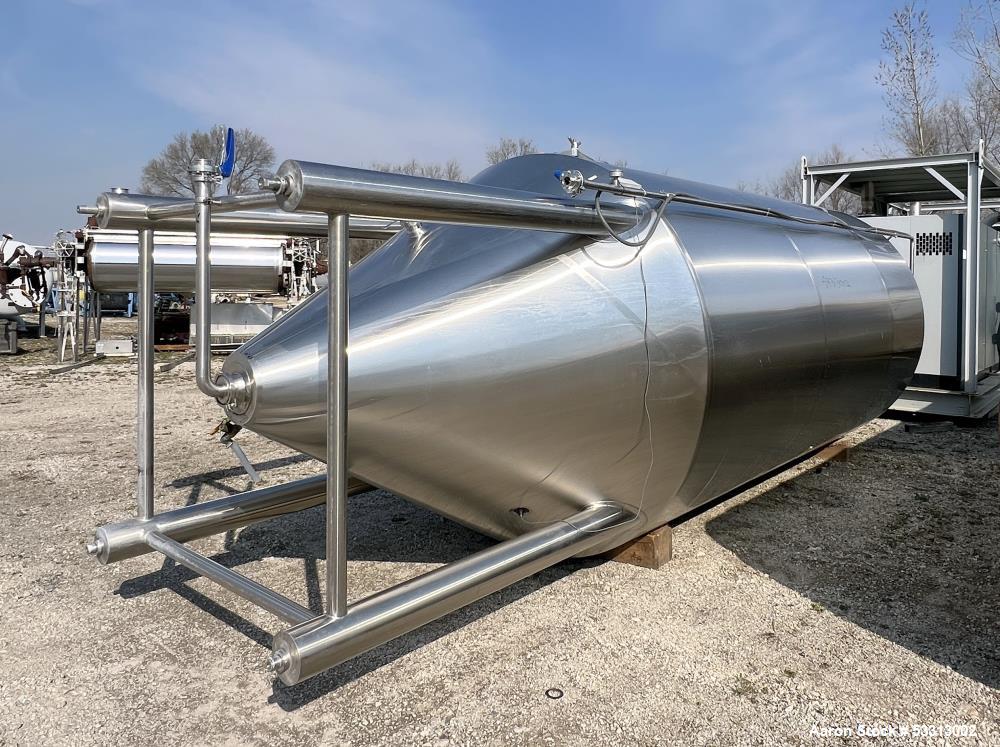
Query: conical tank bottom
point(513, 402)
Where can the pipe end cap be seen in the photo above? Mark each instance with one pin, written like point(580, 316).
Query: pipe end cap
point(279, 662)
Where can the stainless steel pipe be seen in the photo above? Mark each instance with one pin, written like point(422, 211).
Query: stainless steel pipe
point(220, 205)
point(311, 647)
point(203, 180)
point(123, 540)
point(272, 601)
point(145, 417)
point(132, 212)
point(336, 421)
point(318, 187)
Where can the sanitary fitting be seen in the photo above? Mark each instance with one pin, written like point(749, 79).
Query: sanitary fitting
point(237, 392)
point(277, 184)
point(203, 170)
point(572, 181)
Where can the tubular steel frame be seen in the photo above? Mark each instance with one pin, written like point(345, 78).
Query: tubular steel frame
point(315, 642)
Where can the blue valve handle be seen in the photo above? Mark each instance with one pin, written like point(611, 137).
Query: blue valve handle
point(229, 159)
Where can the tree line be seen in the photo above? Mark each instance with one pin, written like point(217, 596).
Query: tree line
point(167, 173)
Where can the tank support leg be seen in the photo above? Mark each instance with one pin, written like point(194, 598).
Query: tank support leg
point(144, 424)
point(336, 420)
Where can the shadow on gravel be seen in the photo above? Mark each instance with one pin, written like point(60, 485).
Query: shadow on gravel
point(382, 527)
point(221, 474)
point(903, 540)
point(292, 698)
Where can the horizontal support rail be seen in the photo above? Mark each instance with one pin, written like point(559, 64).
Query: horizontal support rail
point(317, 187)
point(114, 542)
point(228, 204)
point(263, 597)
point(312, 647)
point(132, 212)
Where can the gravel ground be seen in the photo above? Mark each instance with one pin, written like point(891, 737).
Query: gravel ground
point(865, 592)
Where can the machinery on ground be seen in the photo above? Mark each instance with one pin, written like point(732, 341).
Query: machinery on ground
point(559, 354)
point(253, 273)
point(25, 276)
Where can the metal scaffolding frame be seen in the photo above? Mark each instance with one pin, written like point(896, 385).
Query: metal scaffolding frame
point(968, 182)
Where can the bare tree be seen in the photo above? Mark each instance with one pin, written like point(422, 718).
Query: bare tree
point(450, 170)
point(908, 80)
point(509, 148)
point(961, 123)
point(787, 185)
point(167, 174)
point(754, 187)
point(978, 39)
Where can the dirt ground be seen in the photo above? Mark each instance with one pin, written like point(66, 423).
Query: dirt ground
point(867, 592)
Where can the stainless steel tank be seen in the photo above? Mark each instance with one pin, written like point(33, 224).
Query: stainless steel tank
point(507, 378)
point(246, 264)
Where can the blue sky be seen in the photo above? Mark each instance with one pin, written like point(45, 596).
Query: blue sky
point(708, 90)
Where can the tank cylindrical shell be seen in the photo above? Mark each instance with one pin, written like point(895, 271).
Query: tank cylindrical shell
point(238, 264)
point(497, 370)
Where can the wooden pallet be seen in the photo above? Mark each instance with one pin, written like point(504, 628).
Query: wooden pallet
point(655, 548)
point(171, 348)
point(651, 550)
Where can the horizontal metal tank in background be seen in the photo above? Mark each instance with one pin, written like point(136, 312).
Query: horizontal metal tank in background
point(245, 264)
point(507, 378)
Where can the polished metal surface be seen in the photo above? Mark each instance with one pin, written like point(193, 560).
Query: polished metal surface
point(203, 176)
point(336, 423)
point(318, 187)
point(131, 212)
point(239, 264)
point(494, 369)
point(115, 542)
point(311, 647)
point(144, 407)
point(237, 583)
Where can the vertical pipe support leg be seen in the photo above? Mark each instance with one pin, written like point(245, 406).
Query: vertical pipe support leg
point(76, 312)
point(144, 421)
point(60, 309)
point(86, 315)
point(336, 420)
point(970, 281)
